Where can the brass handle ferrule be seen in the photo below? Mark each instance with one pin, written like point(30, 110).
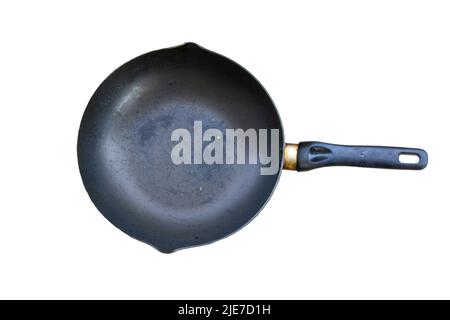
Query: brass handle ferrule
point(290, 156)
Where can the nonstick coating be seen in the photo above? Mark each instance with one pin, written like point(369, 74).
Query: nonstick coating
point(124, 147)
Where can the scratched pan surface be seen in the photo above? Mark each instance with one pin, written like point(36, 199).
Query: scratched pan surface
point(124, 147)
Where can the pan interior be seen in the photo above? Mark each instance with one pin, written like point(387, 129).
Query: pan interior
point(124, 147)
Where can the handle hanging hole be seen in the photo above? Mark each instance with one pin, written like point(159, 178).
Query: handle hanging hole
point(409, 158)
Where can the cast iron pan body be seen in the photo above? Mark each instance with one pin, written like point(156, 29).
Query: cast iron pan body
point(124, 147)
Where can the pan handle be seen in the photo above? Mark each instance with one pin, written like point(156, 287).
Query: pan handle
point(311, 155)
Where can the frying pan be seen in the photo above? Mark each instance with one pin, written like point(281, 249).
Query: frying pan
point(124, 148)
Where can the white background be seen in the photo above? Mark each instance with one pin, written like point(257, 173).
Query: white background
point(354, 72)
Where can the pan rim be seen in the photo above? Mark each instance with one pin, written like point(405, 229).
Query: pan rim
point(252, 215)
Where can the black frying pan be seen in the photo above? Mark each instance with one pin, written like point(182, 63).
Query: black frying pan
point(124, 148)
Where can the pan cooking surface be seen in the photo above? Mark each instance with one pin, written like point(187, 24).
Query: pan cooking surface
point(124, 147)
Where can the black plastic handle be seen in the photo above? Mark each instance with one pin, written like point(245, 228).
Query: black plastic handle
point(312, 155)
